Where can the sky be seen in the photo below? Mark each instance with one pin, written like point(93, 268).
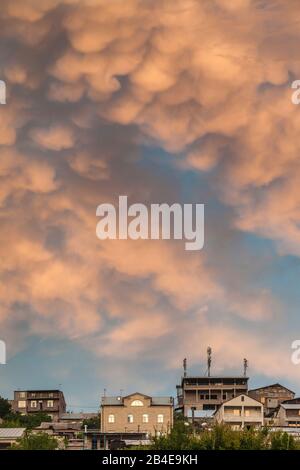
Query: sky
point(169, 101)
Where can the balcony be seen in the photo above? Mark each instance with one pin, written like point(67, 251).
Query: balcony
point(253, 418)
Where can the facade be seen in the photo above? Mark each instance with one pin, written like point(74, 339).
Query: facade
point(240, 412)
point(208, 393)
point(136, 413)
point(271, 396)
point(288, 415)
point(51, 402)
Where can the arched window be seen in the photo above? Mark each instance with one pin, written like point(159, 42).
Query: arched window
point(160, 418)
point(111, 418)
point(130, 418)
point(137, 403)
point(145, 418)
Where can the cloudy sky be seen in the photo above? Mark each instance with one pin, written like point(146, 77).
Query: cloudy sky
point(164, 101)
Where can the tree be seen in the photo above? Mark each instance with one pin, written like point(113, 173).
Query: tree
point(16, 420)
point(92, 423)
point(5, 407)
point(223, 437)
point(40, 441)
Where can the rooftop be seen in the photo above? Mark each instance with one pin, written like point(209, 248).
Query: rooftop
point(271, 386)
point(288, 406)
point(117, 400)
point(77, 416)
point(216, 377)
point(39, 390)
point(11, 433)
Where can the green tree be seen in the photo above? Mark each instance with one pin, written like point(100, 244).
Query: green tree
point(40, 441)
point(222, 437)
point(5, 407)
point(283, 441)
point(92, 423)
point(178, 439)
point(16, 420)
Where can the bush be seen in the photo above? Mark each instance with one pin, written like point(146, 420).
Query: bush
point(41, 441)
point(222, 437)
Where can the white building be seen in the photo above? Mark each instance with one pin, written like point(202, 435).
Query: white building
point(240, 412)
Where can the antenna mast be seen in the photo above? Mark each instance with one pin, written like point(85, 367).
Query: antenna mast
point(184, 367)
point(245, 367)
point(209, 350)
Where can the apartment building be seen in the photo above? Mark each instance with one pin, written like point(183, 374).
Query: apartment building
point(136, 413)
point(51, 402)
point(208, 393)
point(271, 396)
point(241, 412)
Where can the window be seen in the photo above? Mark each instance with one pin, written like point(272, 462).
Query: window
point(242, 398)
point(33, 395)
point(247, 412)
point(22, 394)
point(137, 403)
point(50, 395)
point(22, 404)
point(33, 404)
point(160, 418)
point(237, 412)
point(111, 418)
point(49, 403)
point(130, 418)
point(145, 418)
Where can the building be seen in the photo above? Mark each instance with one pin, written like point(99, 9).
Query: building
point(241, 412)
point(208, 393)
point(9, 436)
point(51, 402)
point(271, 396)
point(136, 413)
point(61, 430)
point(288, 415)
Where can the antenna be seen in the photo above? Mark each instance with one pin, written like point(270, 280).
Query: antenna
point(104, 393)
point(209, 350)
point(184, 367)
point(245, 367)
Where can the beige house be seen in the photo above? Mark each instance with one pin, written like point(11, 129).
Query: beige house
point(288, 414)
point(240, 412)
point(136, 413)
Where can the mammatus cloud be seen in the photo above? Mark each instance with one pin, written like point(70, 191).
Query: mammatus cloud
point(93, 85)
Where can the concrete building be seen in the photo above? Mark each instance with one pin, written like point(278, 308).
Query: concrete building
point(51, 402)
point(208, 393)
point(241, 412)
point(271, 396)
point(136, 413)
point(288, 415)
